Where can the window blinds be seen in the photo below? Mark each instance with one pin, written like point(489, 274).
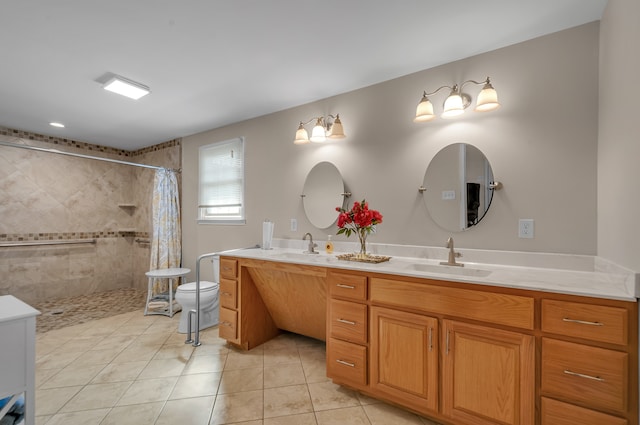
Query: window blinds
point(221, 178)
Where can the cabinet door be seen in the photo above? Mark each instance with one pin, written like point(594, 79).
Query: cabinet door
point(404, 358)
point(488, 375)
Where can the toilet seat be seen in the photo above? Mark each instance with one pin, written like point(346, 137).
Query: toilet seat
point(205, 286)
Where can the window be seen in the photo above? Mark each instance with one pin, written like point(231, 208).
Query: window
point(221, 182)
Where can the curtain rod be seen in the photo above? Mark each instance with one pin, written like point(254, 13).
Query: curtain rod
point(77, 155)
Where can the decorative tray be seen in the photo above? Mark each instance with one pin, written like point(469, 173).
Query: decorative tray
point(366, 259)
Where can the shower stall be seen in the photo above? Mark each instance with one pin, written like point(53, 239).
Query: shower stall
point(75, 218)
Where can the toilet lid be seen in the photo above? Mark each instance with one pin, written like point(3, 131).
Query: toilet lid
point(205, 286)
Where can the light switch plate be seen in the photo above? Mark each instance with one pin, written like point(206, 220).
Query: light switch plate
point(294, 225)
point(525, 228)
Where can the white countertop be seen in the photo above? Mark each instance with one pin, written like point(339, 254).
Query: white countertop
point(559, 273)
point(11, 308)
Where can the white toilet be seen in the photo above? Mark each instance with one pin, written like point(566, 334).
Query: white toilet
point(209, 301)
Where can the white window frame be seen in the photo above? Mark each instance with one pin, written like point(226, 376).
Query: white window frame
point(212, 210)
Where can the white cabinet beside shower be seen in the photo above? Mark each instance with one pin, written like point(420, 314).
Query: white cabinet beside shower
point(17, 357)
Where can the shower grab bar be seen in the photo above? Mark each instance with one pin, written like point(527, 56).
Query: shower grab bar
point(47, 242)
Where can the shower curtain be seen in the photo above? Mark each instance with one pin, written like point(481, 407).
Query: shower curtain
point(166, 238)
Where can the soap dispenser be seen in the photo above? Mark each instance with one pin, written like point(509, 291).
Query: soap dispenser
point(329, 246)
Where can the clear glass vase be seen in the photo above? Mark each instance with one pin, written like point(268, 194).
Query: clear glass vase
point(362, 236)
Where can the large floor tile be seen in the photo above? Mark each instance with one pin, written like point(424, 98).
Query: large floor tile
point(148, 391)
point(84, 417)
point(237, 407)
point(96, 396)
point(192, 411)
point(345, 416)
point(196, 385)
point(239, 380)
point(137, 414)
point(291, 400)
point(327, 395)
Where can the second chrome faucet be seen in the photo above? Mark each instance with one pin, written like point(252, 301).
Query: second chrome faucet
point(452, 255)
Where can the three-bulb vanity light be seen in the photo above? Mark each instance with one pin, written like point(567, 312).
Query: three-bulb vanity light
point(323, 128)
point(458, 101)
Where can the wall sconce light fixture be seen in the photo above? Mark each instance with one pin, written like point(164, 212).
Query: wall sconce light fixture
point(323, 128)
point(458, 101)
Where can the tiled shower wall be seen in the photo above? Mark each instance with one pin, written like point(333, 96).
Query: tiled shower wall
point(45, 196)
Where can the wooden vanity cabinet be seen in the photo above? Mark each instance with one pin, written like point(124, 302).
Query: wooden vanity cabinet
point(347, 329)
point(461, 354)
point(244, 318)
point(488, 375)
point(228, 293)
point(589, 359)
point(404, 358)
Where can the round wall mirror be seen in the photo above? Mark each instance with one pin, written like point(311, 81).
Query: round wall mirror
point(322, 193)
point(458, 187)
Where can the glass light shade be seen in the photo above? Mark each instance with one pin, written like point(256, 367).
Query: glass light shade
point(453, 106)
point(424, 111)
point(487, 99)
point(302, 137)
point(318, 134)
point(126, 88)
point(337, 131)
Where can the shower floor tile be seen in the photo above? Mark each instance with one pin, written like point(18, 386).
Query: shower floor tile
point(65, 312)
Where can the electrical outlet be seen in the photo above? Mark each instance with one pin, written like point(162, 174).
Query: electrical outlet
point(448, 195)
point(294, 225)
point(525, 228)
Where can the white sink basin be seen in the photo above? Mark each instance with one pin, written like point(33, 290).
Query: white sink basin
point(298, 256)
point(459, 271)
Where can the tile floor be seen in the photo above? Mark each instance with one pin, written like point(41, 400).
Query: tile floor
point(136, 369)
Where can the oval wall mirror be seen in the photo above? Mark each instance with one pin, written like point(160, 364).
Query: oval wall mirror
point(322, 193)
point(459, 187)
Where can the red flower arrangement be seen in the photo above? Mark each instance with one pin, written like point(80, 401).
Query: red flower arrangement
point(359, 220)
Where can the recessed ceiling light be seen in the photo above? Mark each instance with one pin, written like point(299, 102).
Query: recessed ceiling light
point(56, 124)
point(126, 87)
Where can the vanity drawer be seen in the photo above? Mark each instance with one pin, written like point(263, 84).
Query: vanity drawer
point(228, 293)
point(228, 268)
point(347, 362)
point(558, 413)
point(492, 307)
point(348, 321)
point(348, 286)
point(595, 376)
point(594, 322)
point(228, 328)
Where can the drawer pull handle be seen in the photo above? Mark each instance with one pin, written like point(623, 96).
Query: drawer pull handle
point(342, 285)
point(345, 321)
point(226, 324)
point(582, 375)
point(346, 363)
point(582, 322)
point(227, 294)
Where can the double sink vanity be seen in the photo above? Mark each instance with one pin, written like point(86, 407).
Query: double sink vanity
point(479, 344)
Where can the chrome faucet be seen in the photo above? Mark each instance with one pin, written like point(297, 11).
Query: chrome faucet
point(452, 255)
point(311, 244)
